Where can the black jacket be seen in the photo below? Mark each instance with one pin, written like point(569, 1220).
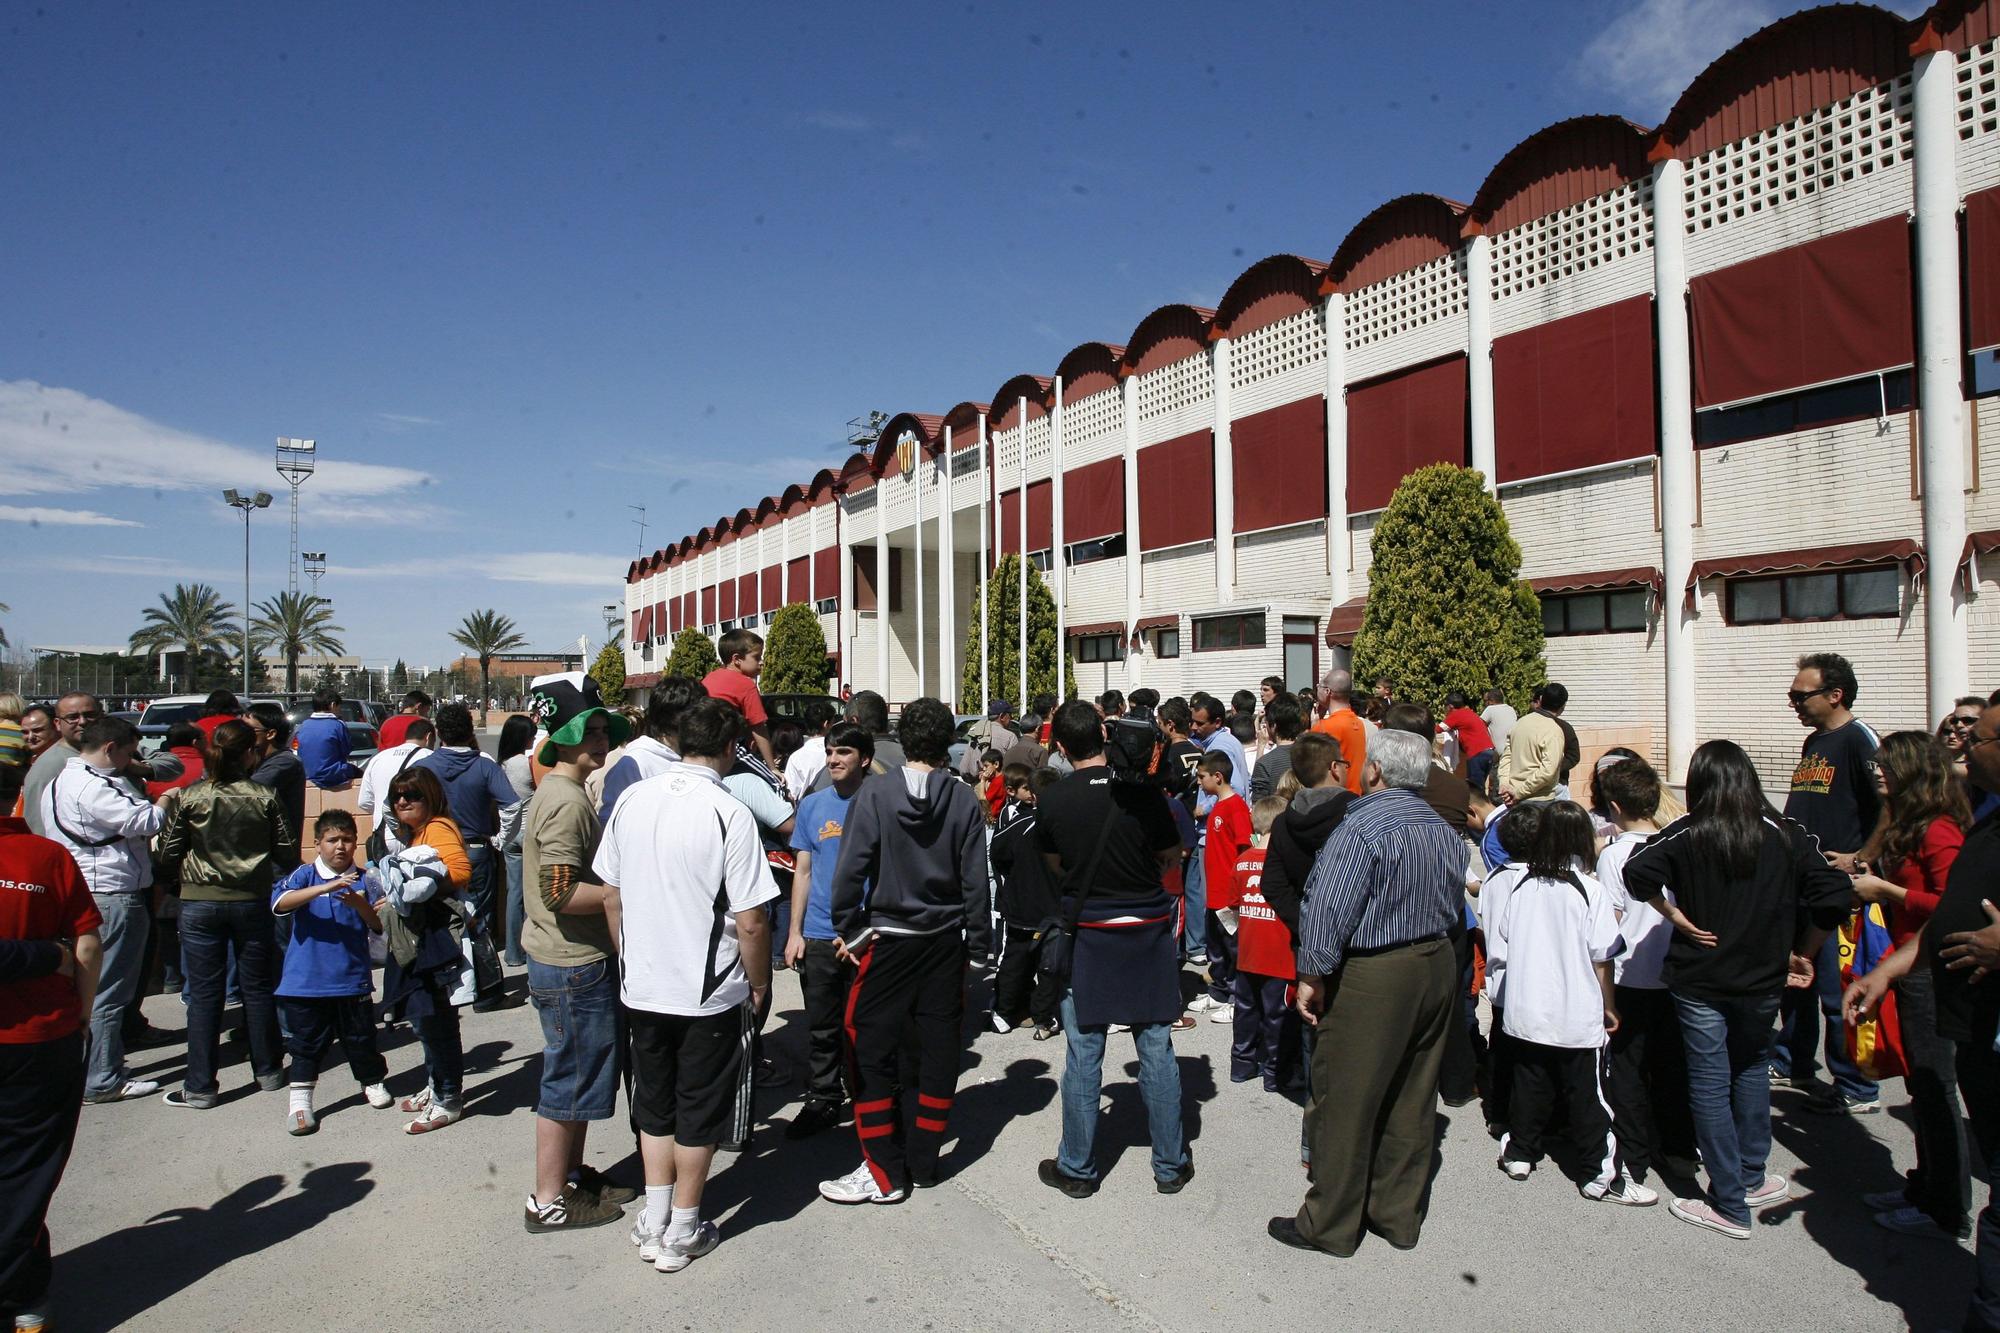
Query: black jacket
point(1025, 895)
point(1296, 839)
point(925, 855)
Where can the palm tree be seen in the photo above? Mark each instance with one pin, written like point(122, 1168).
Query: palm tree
point(4, 609)
point(295, 623)
point(486, 634)
point(192, 619)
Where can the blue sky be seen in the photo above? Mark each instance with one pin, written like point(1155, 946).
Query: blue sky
point(518, 266)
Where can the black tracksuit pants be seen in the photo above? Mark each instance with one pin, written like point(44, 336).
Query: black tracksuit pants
point(1647, 1081)
point(1020, 986)
point(906, 986)
point(41, 1092)
point(824, 979)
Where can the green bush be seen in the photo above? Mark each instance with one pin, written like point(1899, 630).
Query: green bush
point(609, 673)
point(693, 655)
point(1003, 619)
point(1445, 608)
point(794, 653)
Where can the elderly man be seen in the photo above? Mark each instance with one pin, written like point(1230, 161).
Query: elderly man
point(1377, 976)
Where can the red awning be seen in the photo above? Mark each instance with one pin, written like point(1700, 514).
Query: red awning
point(1638, 575)
point(644, 681)
point(1979, 543)
point(1344, 622)
point(1145, 623)
point(1902, 551)
point(1096, 627)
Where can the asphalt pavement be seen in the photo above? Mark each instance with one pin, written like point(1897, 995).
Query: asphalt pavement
point(173, 1219)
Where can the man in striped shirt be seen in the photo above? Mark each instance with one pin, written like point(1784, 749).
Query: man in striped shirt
point(1382, 897)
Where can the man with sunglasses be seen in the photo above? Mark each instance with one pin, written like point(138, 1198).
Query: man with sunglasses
point(1833, 796)
point(74, 712)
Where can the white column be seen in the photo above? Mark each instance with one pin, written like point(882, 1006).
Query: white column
point(1337, 567)
point(1128, 399)
point(847, 620)
point(786, 592)
point(1056, 531)
point(1021, 513)
point(985, 570)
point(1479, 354)
point(1677, 498)
point(1225, 477)
point(1940, 431)
point(737, 577)
point(881, 548)
point(917, 463)
point(948, 687)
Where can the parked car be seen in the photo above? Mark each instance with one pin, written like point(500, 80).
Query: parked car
point(961, 736)
point(160, 714)
point(792, 707)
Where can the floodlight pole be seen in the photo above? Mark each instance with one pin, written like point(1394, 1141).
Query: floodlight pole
point(295, 463)
point(246, 503)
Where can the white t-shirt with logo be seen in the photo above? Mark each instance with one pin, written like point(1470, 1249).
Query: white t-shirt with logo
point(686, 858)
point(1552, 932)
point(1646, 932)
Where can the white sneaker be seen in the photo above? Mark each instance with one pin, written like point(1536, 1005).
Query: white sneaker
point(1696, 1212)
point(1204, 1003)
point(1223, 1013)
point(1117, 1027)
point(1775, 1189)
point(1516, 1170)
point(1626, 1191)
point(378, 1096)
point(678, 1254)
point(857, 1186)
point(649, 1242)
point(126, 1091)
point(999, 1023)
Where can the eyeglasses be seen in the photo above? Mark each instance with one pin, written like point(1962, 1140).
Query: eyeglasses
point(78, 717)
point(1961, 722)
point(1798, 697)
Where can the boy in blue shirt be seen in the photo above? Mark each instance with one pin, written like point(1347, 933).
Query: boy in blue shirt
point(822, 975)
point(327, 990)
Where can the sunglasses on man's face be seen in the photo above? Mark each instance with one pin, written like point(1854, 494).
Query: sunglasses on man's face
point(1961, 721)
point(1798, 697)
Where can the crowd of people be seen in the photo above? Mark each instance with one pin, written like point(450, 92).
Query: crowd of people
point(1339, 877)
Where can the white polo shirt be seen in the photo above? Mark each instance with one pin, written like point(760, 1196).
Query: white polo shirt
point(1646, 932)
point(1551, 934)
point(686, 858)
point(1492, 901)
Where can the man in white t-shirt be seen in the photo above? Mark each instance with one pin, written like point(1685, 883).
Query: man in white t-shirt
point(1499, 717)
point(382, 770)
point(686, 883)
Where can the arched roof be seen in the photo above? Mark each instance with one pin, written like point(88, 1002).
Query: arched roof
point(1007, 402)
point(1266, 292)
point(1958, 24)
point(1567, 163)
point(1089, 368)
point(964, 422)
point(1396, 237)
point(924, 425)
point(1784, 70)
point(823, 481)
point(1166, 336)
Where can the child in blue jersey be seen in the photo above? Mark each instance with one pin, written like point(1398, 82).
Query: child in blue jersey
point(327, 989)
point(823, 977)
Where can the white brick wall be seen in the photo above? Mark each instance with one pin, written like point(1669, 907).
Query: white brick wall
point(1614, 680)
point(1177, 579)
point(1823, 487)
point(1279, 363)
point(1285, 562)
point(1578, 258)
point(1095, 591)
point(1982, 507)
point(1361, 532)
point(1577, 525)
point(1983, 630)
point(1177, 399)
point(1411, 318)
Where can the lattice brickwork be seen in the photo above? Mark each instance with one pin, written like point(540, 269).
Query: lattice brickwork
point(1979, 91)
point(1571, 242)
point(1847, 141)
point(1293, 342)
point(1094, 427)
point(1407, 302)
point(1186, 383)
point(1038, 439)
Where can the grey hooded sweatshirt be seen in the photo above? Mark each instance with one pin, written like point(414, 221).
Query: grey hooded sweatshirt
point(924, 851)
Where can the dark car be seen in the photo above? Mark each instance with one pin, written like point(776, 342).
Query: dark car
point(792, 707)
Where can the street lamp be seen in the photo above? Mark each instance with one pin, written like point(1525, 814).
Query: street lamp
point(296, 460)
point(315, 566)
point(237, 500)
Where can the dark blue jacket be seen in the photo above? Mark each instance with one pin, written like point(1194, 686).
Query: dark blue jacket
point(474, 789)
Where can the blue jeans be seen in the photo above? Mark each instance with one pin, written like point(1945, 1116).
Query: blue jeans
point(208, 930)
point(1794, 1055)
point(583, 1031)
point(482, 891)
point(512, 953)
point(123, 936)
point(1083, 1080)
point(1729, 1091)
point(1194, 903)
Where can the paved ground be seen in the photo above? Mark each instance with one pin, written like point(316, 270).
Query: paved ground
point(218, 1220)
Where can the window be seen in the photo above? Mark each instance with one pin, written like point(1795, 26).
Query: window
point(1167, 643)
point(1043, 560)
point(1215, 633)
point(1848, 400)
point(826, 606)
point(728, 625)
point(1100, 548)
point(1098, 648)
point(1853, 594)
point(1594, 612)
point(1985, 376)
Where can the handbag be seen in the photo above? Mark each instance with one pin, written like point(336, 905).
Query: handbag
point(1875, 1046)
point(1057, 934)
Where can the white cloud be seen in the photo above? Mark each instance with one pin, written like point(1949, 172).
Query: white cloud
point(563, 568)
point(1649, 54)
point(841, 122)
point(144, 566)
point(56, 441)
point(400, 419)
point(62, 518)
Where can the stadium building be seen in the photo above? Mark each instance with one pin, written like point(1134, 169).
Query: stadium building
point(1735, 379)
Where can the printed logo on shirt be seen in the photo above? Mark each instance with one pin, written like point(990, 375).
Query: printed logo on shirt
point(21, 886)
point(1813, 776)
point(828, 829)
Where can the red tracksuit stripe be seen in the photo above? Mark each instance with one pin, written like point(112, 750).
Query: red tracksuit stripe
point(861, 1133)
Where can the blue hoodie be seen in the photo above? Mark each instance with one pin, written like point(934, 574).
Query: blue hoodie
point(474, 788)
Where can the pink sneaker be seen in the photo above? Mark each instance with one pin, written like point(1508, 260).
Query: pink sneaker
point(1775, 1189)
point(1696, 1212)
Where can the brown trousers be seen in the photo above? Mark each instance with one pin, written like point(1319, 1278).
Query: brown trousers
point(1373, 1118)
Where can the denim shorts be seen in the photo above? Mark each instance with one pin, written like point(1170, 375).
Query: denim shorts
point(583, 1039)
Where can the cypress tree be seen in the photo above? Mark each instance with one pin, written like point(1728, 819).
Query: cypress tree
point(693, 655)
point(1003, 642)
point(794, 653)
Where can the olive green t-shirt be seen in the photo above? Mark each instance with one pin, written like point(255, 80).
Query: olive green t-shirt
point(560, 828)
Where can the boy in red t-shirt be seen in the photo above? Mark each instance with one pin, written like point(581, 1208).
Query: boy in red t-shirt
point(1225, 836)
point(1267, 1031)
point(735, 683)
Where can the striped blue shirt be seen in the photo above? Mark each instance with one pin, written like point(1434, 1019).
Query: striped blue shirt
point(1392, 873)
